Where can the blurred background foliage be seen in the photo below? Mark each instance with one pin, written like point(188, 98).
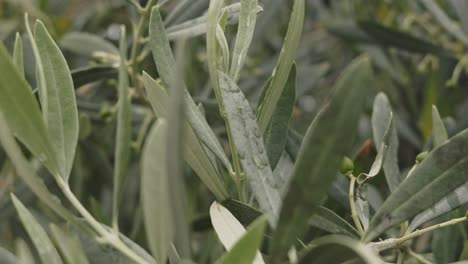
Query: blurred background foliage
point(417, 47)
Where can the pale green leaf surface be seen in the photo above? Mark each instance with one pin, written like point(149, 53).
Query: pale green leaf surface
point(21, 112)
point(439, 134)
point(124, 130)
point(87, 44)
point(61, 113)
point(165, 64)
point(438, 175)
point(195, 153)
point(327, 140)
point(283, 67)
point(245, 30)
point(246, 248)
point(23, 252)
point(197, 26)
point(228, 228)
point(69, 245)
point(249, 144)
point(6, 257)
point(45, 249)
point(174, 156)
point(25, 171)
point(18, 57)
point(157, 214)
point(381, 154)
point(381, 116)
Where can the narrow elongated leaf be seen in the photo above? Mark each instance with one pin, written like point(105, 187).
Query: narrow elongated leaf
point(69, 245)
point(327, 140)
point(228, 228)
point(337, 249)
point(174, 159)
point(124, 131)
point(197, 26)
point(447, 204)
point(246, 249)
point(18, 54)
point(224, 48)
point(327, 220)
point(155, 193)
point(214, 12)
point(25, 171)
point(439, 133)
point(57, 98)
point(195, 153)
point(87, 44)
point(20, 112)
point(381, 154)
point(283, 67)
point(248, 140)
point(6, 257)
point(23, 252)
point(245, 30)
point(276, 134)
point(381, 116)
point(165, 64)
point(438, 175)
point(45, 248)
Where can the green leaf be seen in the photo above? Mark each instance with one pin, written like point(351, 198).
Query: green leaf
point(69, 245)
point(246, 249)
point(276, 134)
point(26, 172)
point(6, 257)
point(245, 30)
point(197, 26)
point(57, 98)
point(381, 153)
point(155, 193)
point(249, 144)
point(223, 47)
point(165, 64)
point(195, 153)
point(88, 74)
point(87, 44)
point(438, 175)
point(21, 112)
point(228, 228)
point(45, 248)
point(381, 116)
point(18, 58)
point(327, 220)
point(399, 39)
point(214, 12)
point(283, 67)
point(328, 139)
point(23, 252)
point(447, 242)
point(124, 131)
point(449, 203)
point(174, 156)
point(337, 249)
point(439, 133)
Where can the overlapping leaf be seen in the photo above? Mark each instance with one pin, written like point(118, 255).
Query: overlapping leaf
point(327, 140)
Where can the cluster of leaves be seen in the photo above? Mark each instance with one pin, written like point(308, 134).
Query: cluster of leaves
point(132, 162)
